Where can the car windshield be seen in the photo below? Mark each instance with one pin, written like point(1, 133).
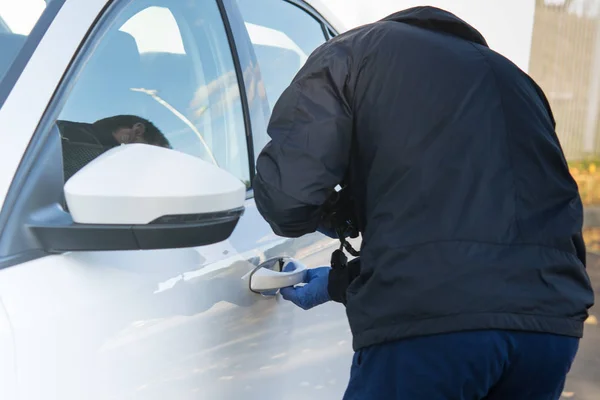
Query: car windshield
point(17, 19)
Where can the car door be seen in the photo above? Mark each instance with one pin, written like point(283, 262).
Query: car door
point(179, 323)
point(273, 39)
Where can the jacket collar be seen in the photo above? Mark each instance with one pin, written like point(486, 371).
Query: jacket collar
point(436, 19)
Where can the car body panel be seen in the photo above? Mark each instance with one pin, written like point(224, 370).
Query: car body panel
point(169, 324)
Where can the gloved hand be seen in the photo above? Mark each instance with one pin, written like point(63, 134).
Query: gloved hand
point(313, 293)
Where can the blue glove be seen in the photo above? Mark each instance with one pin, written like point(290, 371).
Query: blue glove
point(313, 293)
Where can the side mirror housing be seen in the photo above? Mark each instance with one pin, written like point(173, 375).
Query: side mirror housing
point(139, 196)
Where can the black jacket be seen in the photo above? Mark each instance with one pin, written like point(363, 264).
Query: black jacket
point(469, 216)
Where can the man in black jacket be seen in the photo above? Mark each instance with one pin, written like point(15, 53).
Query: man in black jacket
point(472, 280)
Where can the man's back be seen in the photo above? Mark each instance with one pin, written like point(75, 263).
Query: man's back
point(447, 118)
point(470, 218)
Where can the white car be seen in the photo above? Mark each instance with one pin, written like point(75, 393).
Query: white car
point(135, 271)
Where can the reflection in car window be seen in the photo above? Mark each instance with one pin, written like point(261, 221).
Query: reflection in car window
point(283, 36)
point(17, 19)
point(150, 38)
point(162, 76)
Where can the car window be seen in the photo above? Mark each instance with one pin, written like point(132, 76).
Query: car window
point(160, 75)
point(283, 36)
point(17, 19)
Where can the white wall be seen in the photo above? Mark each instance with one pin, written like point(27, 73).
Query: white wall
point(507, 25)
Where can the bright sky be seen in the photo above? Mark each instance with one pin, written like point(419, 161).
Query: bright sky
point(21, 15)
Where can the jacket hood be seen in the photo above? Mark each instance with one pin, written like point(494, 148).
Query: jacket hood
point(436, 19)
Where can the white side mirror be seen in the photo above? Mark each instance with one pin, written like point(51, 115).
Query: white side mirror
point(138, 184)
point(140, 196)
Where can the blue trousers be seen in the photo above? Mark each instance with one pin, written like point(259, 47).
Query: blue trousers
point(478, 365)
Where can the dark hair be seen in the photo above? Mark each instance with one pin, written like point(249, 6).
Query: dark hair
point(152, 134)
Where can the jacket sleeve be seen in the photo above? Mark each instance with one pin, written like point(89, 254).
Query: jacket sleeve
point(310, 130)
